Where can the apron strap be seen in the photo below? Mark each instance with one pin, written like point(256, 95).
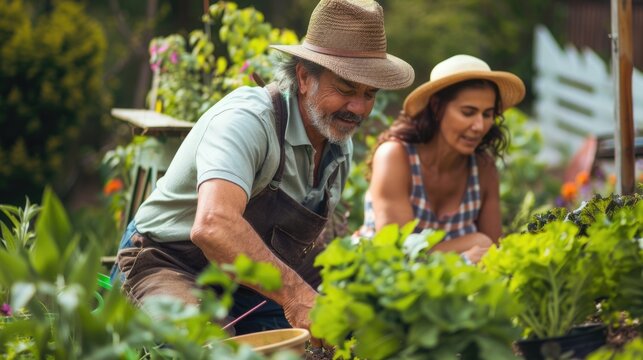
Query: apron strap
point(281, 120)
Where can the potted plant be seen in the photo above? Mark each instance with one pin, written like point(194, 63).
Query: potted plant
point(388, 298)
point(569, 263)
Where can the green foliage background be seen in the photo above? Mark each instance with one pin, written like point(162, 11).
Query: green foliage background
point(52, 97)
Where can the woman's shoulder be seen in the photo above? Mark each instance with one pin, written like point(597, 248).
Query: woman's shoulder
point(391, 150)
point(390, 161)
point(485, 161)
point(487, 170)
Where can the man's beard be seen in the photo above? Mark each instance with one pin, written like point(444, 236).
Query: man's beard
point(326, 123)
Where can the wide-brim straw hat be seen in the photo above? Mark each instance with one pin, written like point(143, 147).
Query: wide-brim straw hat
point(460, 68)
point(347, 37)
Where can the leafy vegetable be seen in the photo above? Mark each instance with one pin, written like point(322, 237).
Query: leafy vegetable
point(587, 214)
point(401, 303)
point(550, 274)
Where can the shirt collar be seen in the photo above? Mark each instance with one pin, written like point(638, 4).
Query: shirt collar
point(296, 132)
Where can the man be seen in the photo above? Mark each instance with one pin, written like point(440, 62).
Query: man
point(247, 181)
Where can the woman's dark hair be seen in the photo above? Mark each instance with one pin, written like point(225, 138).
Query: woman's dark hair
point(423, 127)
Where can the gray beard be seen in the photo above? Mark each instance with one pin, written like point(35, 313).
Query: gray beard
point(324, 122)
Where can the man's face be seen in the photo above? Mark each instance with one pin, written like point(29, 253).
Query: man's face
point(335, 107)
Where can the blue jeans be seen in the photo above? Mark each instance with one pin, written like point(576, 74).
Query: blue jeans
point(267, 317)
point(126, 242)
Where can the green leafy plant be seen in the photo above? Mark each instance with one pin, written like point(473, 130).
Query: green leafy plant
point(389, 299)
point(587, 214)
point(50, 299)
point(193, 74)
point(571, 261)
point(551, 275)
point(616, 240)
point(632, 351)
point(20, 219)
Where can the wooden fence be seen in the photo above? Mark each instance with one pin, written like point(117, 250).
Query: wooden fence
point(575, 96)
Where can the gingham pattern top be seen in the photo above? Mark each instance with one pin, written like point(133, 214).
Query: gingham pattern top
point(459, 223)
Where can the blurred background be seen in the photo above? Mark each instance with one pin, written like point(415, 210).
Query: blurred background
point(65, 64)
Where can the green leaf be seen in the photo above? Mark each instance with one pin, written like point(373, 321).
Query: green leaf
point(12, 268)
point(53, 220)
point(21, 294)
point(388, 235)
point(7, 238)
point(45, 255)
point(424, 334)
point(378, 340)
point(259, 273)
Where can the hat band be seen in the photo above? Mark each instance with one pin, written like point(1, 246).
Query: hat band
point(344, 53)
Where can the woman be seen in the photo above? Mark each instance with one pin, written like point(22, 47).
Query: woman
point(436, 163)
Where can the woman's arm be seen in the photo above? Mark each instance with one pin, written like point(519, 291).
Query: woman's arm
point(489, 220)
point(390, 187)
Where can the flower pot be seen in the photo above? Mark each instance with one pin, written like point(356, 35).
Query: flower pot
point(268, 342)
point(577, 344)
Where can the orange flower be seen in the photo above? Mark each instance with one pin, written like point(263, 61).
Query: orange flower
point(582, 178)
point(569, 191)
point(612, 179)
point(113, 186)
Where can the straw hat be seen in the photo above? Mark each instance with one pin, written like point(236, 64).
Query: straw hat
point(460, 68)
point(347, 37)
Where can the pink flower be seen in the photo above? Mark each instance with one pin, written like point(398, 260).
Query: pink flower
point(245, 66)
point(161, 49)
point(157, 49)
point(174, 57)
point(5, 310)
point(155, 67)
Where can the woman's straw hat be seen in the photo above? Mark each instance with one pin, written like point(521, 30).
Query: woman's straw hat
point(347, 37)
point(460, 68)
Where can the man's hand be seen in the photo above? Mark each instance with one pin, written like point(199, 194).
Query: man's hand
point(297, 310)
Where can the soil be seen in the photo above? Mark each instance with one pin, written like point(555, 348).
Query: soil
point(620, 335)
point(315, 353)
point(617, 337)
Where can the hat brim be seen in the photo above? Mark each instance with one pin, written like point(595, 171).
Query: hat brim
point(388, 73)
point(512, 89)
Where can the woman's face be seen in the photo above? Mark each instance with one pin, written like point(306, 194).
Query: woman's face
point(467, 119)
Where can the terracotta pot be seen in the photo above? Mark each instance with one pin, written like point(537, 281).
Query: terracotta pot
point(268, 342)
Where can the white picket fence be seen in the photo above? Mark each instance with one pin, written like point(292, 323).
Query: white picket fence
point(575, 96)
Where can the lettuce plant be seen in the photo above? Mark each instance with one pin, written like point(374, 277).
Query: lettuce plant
point(389, 299)
point(631, 351)
point(617, 242)
point(551, 275)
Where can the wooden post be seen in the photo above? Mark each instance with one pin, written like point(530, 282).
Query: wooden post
point(624, 116)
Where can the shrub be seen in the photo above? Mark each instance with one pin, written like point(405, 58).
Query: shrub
point(193, 74)
point(51, 95)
